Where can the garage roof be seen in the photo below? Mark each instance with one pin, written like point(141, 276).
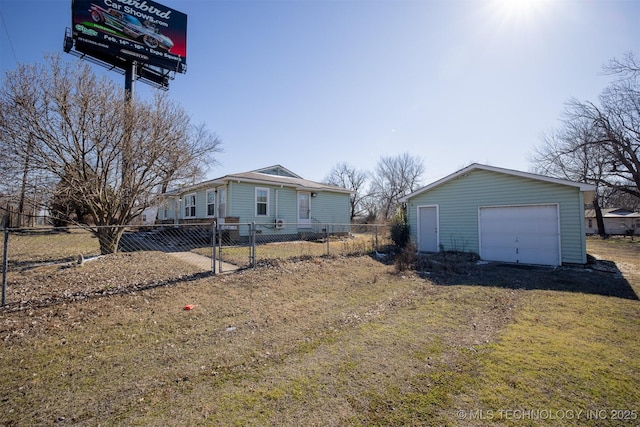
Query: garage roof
point(587, 188)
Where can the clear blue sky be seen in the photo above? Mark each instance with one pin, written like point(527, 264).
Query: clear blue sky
point(308, 84)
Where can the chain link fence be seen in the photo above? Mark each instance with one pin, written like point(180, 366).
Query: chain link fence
point(248, 245)
point(204, 248)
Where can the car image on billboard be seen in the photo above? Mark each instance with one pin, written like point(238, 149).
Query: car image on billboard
point(142, 31)
point(132, 27)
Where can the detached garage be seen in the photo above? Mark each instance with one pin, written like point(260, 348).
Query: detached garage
point(502, 215)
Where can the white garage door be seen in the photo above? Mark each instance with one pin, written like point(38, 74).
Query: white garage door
point(520, 234)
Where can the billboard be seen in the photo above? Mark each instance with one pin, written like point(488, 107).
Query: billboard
point(121, 31)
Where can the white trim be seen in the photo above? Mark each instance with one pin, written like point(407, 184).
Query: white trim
point(215, 204)
point(194, 206)
point(477, 166)
point(255, 204)
point(261, 170)
point(419, 235)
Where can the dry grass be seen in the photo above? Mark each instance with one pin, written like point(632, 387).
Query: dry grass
point(353, 244)
point(37, 246)
point(323, 341)
point(570, 352)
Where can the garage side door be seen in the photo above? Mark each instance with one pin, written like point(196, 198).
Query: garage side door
point(520, 234)
point(428, 229)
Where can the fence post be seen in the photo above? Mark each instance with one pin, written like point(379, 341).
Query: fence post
point(326, 237)
point(214, 232)
point(5, 259)
point(252, 240)
point(376, 248)
point(219, 231)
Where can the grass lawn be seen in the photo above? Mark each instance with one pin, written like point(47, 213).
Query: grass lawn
point(332, 341)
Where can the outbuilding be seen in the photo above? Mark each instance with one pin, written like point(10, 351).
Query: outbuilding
point(502, 215)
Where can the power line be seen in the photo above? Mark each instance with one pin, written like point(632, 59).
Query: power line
point(6, 30)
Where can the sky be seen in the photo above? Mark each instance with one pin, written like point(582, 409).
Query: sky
point(311, 83)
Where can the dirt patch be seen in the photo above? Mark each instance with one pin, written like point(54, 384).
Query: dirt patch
point(600, 276)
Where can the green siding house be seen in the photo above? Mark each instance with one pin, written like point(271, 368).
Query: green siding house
point(502, 215)
point(280, 202)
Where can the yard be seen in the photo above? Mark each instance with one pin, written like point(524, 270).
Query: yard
point(325, 341)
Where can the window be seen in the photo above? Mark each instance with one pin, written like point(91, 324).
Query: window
point(211, 203)
point(262, 201)
point(222, 202)
point(190, 206)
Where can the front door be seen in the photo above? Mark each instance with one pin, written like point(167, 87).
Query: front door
point(304, 210)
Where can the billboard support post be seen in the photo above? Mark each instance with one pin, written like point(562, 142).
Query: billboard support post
point(129, 81)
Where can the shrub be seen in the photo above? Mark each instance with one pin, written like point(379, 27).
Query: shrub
point(400, 234)
point(406, 259)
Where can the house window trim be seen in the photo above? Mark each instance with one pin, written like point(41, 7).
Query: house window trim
point(215, 205)
point(193, 207)
point(257, 189)
point(222, 205)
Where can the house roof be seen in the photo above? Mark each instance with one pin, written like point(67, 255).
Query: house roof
point(271, 175)
point(588, 188)
point(612, 213)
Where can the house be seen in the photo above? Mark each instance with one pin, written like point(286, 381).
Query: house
point(147, 217)
point(616, 221)
point(280, 202)
point(502, 215)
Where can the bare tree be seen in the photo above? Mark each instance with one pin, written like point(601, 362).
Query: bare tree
point(393, 178)
point(613, 197)
point(568, 153)
point(9, 176)
point(628, 66)
point(73, 126)
point(346, 176)
point(599, 143)
point(618, 120)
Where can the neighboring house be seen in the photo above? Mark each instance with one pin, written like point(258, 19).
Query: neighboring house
point(280, 202)
point(502, 215)
point(616, 221)
point(147, 217)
